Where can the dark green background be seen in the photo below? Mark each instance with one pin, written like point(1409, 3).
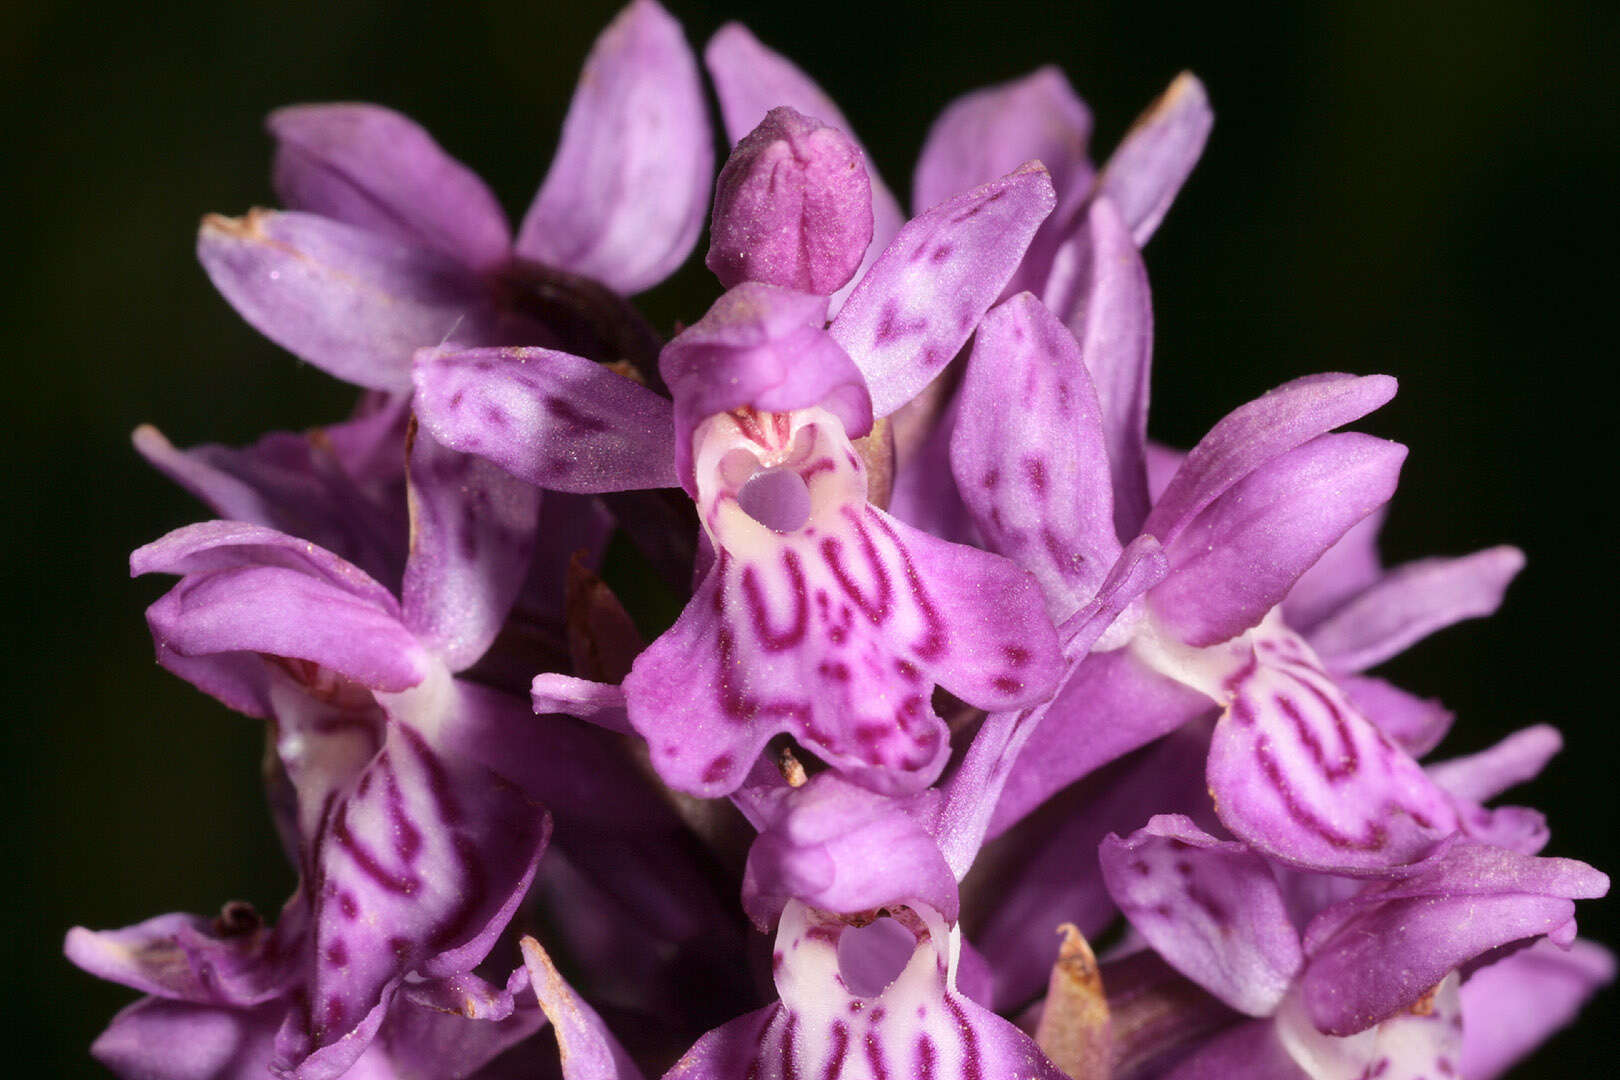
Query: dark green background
point(1420, 189)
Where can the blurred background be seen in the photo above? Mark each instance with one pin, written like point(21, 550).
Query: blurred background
point(1420, 189)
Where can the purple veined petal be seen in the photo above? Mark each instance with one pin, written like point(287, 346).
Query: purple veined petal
point(1516, 759)
point(1415, 724)
point(1253, 434)
point(229, 545)
point(1057, 880)
point(556, 420)
point(840, 848)
point(792, 207)
point(750, 80)
point(351, 302)
point(1099, 288)
point(1147, 169)
point(974, 789)
point(926, 292)
point(1413, 601)
point(600, 703)
point(283, 613)
point(417, 866)
point(589, 1050)
point(865, 1003)
point(1108, 706)
point(987, 133)
point(760, 347)
point(377, 170)
point(1237, 559)
point(299, 1056)
point(472, 534)
point(1249, 1050)
point(1419, 1044)
point(1345, 569)
point(1300, 775)
point(232, 960)
point(626, 195)
point(179, 1040)
point(1511, 1006)
point(464, 993)
point(1029, 455)
point(1380, 950)
point(1211, 908)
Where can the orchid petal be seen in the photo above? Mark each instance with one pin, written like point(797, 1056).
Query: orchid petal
point(1511, 1006)
point(914, 1024)
point(1299, 774)
point(1099, 289)
point(1249, 1050)
point(377, 170)
point(1467, 899)
point(589, 1050)
point(792, 207)
point(351, 302)
point(924, 295)
point(1029, 456)
point(1412, 602)
point(472, 535)
point(179, 1040)
point(600, 703)
point(1154, 159)
point(1516, 759)
point(1345, 569)
point(1253, 434)
point(555, 420)
point(628, 190)
point(750, 80)
point(843, 849)
point(1415, 724)
point(1237, 559)
point(1212, 909)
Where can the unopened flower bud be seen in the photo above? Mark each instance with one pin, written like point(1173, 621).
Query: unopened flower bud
point(793, 207)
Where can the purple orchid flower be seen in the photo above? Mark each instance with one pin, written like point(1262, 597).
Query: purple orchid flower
point(821, 616)
point(390, 245)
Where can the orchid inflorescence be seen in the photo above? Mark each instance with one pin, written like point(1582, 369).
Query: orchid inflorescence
point(1038, 749)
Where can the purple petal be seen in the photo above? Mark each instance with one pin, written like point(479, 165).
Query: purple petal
point(762, 347)
point(792, 207)
point(233, 960)
point(178, 1040)
point(353, 303)
point(454, 1026)
point(1237, 559)
point(927, 291)
point(418, 867)
point(1380, 950)
point(555, 420)
point(1029, 456)
point(750, 80)
point(843, 849)
point(1415, 724)
point(1510, 1007)
point(472, 534)
point(1412, 602)
point(628, 190)
point(1516, 759)
point(873, 1002)
point(1212, 909)
point(1300, 775)
point(989, 132)
point(1253, 434)
point(600, 703)
point(1099, 288)
point(372, 168)
point(1344, 570)
point(284, 613)
point(589, 1050)
point(1154, 159)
